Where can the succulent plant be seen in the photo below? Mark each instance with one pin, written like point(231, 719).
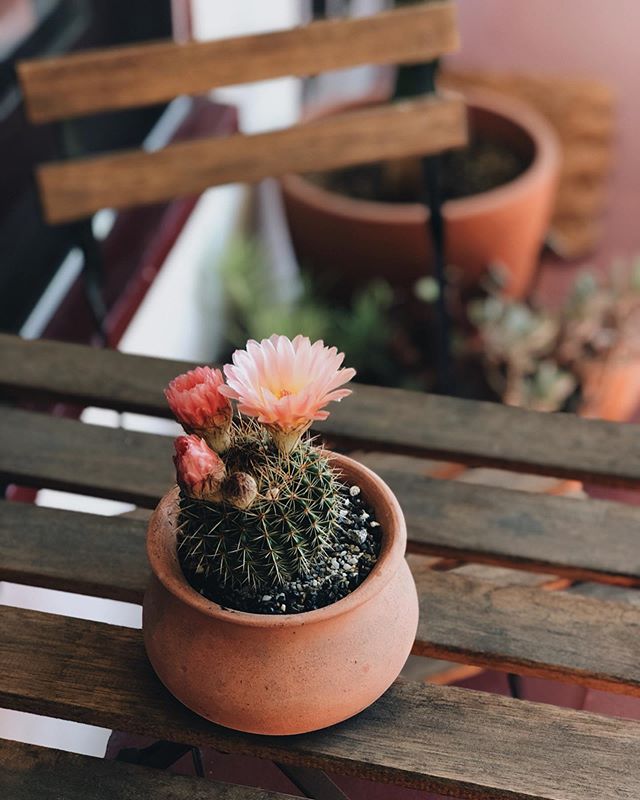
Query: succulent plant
point(272, 525)
point(601, 317)
point(514, 338)
point(546, 389)
point(537, 359)
point(258, 302)
point(262, 511)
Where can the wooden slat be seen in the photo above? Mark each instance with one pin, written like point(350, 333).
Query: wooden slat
point(488, 434)
point(499, 576)
point(395, 420)
point(73, 190)
point(484, 621)
point(39, 773)
point(73, 552)
point(525, 630)
point(43, 451)
point(48, 370)
point(453, 741)
point(580, 539)
point(101, 80)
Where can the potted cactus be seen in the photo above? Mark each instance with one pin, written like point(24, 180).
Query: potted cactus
point(280, 601)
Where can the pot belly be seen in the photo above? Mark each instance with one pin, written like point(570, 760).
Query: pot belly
point(288, 679)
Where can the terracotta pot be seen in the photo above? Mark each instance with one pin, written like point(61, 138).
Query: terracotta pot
point(611, 389)
point(353, 241)
point(282, 674)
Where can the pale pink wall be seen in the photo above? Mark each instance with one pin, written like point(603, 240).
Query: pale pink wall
point(592, 38)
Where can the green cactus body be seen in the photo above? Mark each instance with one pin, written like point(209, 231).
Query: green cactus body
point(281, 535)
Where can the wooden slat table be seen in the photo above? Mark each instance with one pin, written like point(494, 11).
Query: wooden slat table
point(454, 741)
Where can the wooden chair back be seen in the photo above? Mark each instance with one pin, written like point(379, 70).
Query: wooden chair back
point(105, 80)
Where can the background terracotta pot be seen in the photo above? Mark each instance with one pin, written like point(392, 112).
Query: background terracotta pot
point(353, 241)
point(282, 674)
point(611, 389)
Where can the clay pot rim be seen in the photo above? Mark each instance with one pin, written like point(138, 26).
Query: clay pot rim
point(394, 533)
point(546, 157)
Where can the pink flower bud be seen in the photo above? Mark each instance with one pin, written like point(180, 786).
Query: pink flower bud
point(240, 490)
point(197, 404)
point(199, 471)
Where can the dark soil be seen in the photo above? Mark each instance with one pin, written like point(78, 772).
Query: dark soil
point(341, 569)
point(483, 165)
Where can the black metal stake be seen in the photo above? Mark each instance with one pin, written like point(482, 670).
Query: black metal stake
point(515, 687)
point(198, 761)
point(431, 170)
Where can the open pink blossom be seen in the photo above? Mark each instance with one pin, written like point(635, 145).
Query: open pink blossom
point(286, 384)
point(196, 401)
point(199, 471)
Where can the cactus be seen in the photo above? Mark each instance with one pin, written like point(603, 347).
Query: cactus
point(262, 510)
point(283, 531)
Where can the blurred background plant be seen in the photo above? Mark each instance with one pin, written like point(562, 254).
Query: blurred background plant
point(514, 351)
point(256, 306)
point(603, 316)
point(539, 359)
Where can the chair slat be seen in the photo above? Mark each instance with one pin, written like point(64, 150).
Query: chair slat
point(70, 551)
point(445, 518)
point(529, 631)
point(101, 80)
point(443, 739)
point(468, 615)
point(75, 189)
point(44, 369)
point(43, 451)
point(579, 539)
point(391, 420)
point(29, 772)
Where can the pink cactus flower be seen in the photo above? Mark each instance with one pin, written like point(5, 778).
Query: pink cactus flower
point(199, 471)
point(197, 404)
point(286, 384)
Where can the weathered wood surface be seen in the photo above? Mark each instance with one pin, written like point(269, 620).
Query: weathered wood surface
point(73, 552)
point(29, 772)
point(44, 451)
point(581, 539)
point(48, 370)
point(392, 420)
point(453, 741)
point(525, 630)
point(76, 189)
point(489, 434)
point(475, 615)
point(101, 80)
point(499, 576)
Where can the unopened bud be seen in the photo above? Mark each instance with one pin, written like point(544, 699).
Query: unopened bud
point(240, 490)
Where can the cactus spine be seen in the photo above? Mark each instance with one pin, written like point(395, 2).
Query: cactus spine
point(292, 516)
